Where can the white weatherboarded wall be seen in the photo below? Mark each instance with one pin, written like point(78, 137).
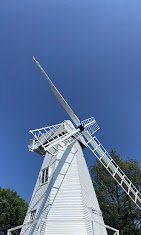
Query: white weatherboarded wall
point(67, 203)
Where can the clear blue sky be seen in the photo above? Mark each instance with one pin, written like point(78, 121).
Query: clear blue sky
point(92, 52)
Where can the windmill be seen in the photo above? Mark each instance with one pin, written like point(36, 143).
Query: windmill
point(64, 200)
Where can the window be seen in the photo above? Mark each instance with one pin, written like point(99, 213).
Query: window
point(44, 175)
point(32, 215)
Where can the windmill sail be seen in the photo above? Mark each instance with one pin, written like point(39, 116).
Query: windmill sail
point(59, 96)
point(98, 150)
point(111, 166)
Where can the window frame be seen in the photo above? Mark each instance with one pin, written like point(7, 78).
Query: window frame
point(44, 175)
point(33, 214)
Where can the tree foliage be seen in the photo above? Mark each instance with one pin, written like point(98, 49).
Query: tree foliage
point(118, 209)
point(12, 210)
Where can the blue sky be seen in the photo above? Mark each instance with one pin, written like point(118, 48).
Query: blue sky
point(92, 52)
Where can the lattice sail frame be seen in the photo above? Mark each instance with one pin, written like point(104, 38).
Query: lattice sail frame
point(111, 166)
point(50, 136)
point(90, 125)
point(61, 135)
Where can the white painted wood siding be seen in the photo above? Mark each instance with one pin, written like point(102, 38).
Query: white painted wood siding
point(64, 204)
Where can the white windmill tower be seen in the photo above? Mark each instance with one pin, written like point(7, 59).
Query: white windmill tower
point(64, 200)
